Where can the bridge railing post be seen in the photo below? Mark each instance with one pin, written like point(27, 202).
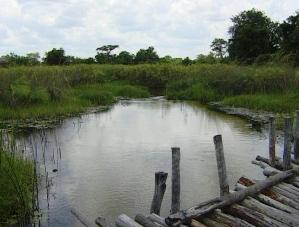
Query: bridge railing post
point(221, 166)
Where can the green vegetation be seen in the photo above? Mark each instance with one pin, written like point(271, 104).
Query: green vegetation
point(42, 92)
point(51, 91)
point(16, 188)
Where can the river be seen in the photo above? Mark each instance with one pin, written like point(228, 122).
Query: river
point(103, 164)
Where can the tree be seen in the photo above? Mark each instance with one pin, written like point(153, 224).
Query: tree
point(104, 54)
point(125, 58)
point(206, 59)
point(148, 55)
point(33, 58)
point(55, 57)
point(219, 47)
point(187, 61)
point(252, 34)
point(289, 31)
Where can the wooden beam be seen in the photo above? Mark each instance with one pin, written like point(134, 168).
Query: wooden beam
point(160, 187)
point(287, 143)
point(296, 136)
point(272, 140)
point(185, 216)
point(253, 217)
point(223, 182)
point(125, 221)
point(102, 222)
point(175, 180)
point(144, 221)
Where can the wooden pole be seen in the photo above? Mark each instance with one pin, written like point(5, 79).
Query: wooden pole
point(296, 137)
point(287, 143)
point(185, 216)
point(223, 182)
point(272, 140)
point(125, 221)
point(144, 221)
point(175, 180)
point(160, 187)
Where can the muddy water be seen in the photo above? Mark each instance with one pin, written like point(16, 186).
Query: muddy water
point(106, 161)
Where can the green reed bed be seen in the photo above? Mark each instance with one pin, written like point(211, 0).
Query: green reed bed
point(16, 188)
point(43, 91)
point(281, 103)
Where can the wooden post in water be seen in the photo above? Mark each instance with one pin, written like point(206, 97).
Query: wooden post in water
point(296, 136)
point(287, 143)
point(272, 140)
point(160, 187)
point(223, 182)
point(175, 180)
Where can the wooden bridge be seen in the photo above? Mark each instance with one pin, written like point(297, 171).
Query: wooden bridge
point(270, 202)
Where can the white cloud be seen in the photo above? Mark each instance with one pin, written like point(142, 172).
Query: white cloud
point(175, 27)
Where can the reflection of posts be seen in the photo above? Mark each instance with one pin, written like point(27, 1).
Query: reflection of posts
point(272, 140)
point(296, 137)
point(287, 143)
point(223, 182)
point(175, 180)
point(160, 187)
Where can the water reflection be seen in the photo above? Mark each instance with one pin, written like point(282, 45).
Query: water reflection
point(106, 161)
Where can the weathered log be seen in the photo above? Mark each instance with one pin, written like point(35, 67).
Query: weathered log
point(290, 186)
point(185, 216)
point(125, 221)
point(296, 184)
point(175, 180)
point(288, 189)
point(228, 219)
point(287, 143)
point(272, 141)
point(157, 219)
point(212, 223)
point(195, 223)
point(253, 217)
point(268, 170)
point(223, 182)
point(277, 164)
point(144, 221)
point(160, 187)
point(281, 216)
point(296, 137)
point(271, 194)
point(285, 193)
point(81, 218)
point(270, 202)
point(102, 222)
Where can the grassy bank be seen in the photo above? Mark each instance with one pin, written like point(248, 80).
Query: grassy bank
point(16, 188)
point(71, 100)
point(47, 91)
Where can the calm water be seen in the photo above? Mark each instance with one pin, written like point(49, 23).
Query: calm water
point(106, 161)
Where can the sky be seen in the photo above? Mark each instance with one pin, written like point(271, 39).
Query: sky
point(179, 28)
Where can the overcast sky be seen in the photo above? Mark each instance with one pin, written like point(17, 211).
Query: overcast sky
point(174, 27)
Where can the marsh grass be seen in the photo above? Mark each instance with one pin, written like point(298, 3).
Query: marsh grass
point(43, 91)
point(281, 103)
point(74, 100)
point(16, 186)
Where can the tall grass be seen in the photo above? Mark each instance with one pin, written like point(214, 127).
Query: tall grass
point(44, 87)
point(16, 186)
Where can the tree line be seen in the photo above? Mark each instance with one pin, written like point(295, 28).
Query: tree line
point(253, 38)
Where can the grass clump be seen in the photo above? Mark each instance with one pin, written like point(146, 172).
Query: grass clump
point(195, 92)
point(269, 102)
point(16, 188)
